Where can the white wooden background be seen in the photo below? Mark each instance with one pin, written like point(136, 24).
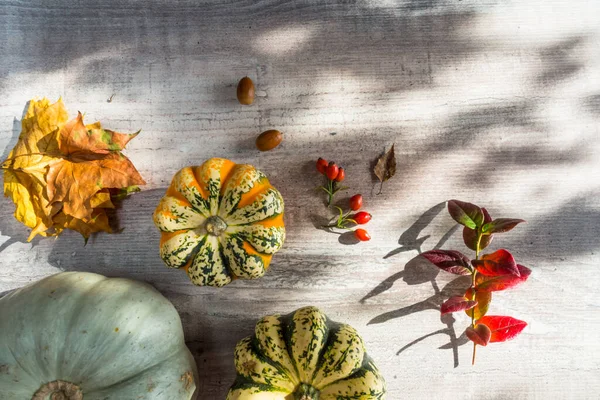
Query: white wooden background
point(492, 102)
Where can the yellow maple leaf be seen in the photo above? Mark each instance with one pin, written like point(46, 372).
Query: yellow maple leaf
point(59, 173)
point(26, 166)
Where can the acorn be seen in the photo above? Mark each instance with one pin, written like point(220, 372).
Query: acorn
point(268, 140)
point(245, 91)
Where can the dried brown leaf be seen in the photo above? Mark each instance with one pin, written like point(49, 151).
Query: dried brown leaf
point(386, 166)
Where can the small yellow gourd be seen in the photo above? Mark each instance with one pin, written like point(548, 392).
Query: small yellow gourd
point(220, 221)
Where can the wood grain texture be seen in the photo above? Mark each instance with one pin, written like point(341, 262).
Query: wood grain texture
point(493, 102)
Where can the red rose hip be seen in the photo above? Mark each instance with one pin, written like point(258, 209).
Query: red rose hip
point(362, 217)
point(356, 202)
point(322, 165)
point(332, 171)
point(362, 235)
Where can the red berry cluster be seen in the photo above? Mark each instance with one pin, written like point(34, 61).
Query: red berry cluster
point(334, 173)
point(359, 218)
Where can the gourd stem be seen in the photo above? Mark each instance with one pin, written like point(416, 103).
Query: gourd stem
point(215, 225)
point(58, 390)
point(306, 392)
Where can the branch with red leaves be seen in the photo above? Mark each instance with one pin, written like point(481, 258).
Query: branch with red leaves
point(490, 273)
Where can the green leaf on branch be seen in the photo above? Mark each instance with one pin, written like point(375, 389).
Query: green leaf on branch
point(466, 214)
point(500, 262)
point(470, 235)
point(500, 225)
point(450, 261)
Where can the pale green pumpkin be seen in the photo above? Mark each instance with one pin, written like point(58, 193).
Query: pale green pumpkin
point(304, 356)
point(81, 336)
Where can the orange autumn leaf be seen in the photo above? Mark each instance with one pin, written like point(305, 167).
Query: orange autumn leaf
point(97, 223)
point(60, 172)
point(77, 138)
point(90, 161)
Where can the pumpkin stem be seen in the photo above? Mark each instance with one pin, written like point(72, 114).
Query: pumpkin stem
point(215, 225)
point(58, 390)
point(306, 392)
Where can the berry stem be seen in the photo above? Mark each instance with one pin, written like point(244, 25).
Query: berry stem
point(341, 220)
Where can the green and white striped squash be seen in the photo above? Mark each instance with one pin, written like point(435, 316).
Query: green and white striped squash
point(220, 221)
point(81, 336)
point(304, 356)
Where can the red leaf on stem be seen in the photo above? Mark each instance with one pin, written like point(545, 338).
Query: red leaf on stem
point(500, 262)
point(479, 335)
point(457, 303)
point(502, 282)
point(466, 214)
point(450, 261)
point(502, 328)
point(483, 300)
point(501, 225)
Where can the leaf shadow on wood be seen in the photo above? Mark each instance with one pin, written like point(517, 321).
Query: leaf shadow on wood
point(570, 230)
point(418, 271)
point(410, 240)
point(558, 63)
point(592, 104)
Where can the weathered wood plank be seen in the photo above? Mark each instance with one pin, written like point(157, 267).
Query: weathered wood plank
point(487, 102)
